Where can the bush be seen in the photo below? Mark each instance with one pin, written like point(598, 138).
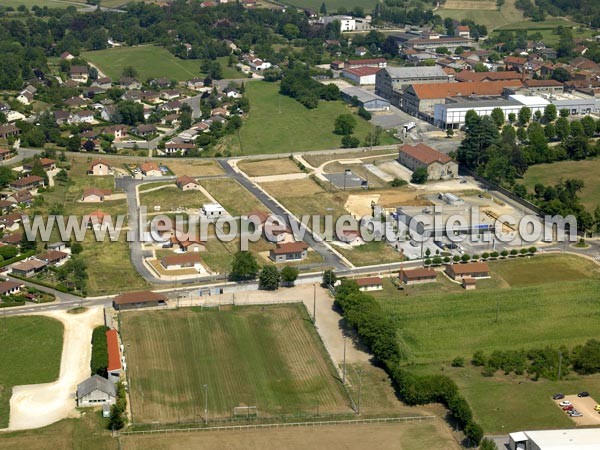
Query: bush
point(488, 371)
point(474, 433)
point(494, 254)
point(514, 252)
point(362, 112)
point(398, 182)
point(99, 361)
point(427, 262)
point(350, 141)
point(478, 358)
point(459, 361)
point(485, 255)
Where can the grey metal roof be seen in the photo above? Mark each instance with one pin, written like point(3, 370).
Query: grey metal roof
point(482, 104)
point(362, 95)
point(416, 72)
point(95, 382)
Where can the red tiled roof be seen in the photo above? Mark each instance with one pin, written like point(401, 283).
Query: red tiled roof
point(139, 297)
point(184, 179)
point(364, 71)
point(27, 181)
point(148, 166)
point(425, 153)
point(443, 90)
point(368, 281)
point(474, 267)
point(466, 75)
point(114, 353)
point(515, 60)
point(9, 285)
point(542, 83)
point(290, 247)
point(96, 191)
point(418, 273)
point(181, 258)
point(52, 256)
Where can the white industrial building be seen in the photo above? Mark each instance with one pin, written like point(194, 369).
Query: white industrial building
point(574, 439)
point(452, 113)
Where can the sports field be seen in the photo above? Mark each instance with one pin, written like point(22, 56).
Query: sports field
point(543, 301)
point(30, 353)
point(279, 124)
point(586, 170)
point(482, 12)
point(150, 61)
point(266, 357)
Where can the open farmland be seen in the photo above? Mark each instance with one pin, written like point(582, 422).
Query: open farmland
point(547, 29)
point(266, 357)
point(586, 170)
point(482, 12)
point(30, 354)
point(291, 126)
point(150, 61)
point(535, 300)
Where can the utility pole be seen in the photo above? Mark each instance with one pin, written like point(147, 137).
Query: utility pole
point(206, 404)
point(344, 364)
point(315, 304)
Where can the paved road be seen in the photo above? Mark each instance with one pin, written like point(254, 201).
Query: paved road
point(330, 258)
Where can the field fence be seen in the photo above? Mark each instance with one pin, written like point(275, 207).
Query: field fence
point(284, 425)
point(228, 299)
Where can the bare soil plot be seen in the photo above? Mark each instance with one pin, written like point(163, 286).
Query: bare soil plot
point(405, 196)
point(269, 357)
point(269, 167)
point(297, 188)
point(317, 160)
point(194, 168)
point(585, 405)
point(171, 198)
point(402, 436)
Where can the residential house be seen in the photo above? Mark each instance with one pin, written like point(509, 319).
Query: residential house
point(28, 268)
point(369, 284)
point(129, 83)
point(469, 283)
point(10, 287)
point(177, 147)
point(99, 168)
point(213, 210)
point(80, 74)
point(103, 82)
point(97, 219)
point(439, 165)
point(195, 84)
point(181, 261)
point(28, 182)
point(62, 117)
point(417, 276)
point(5, 154)
point(95, 391)
point(10, 221)
point(463, 31)
point(170, 94)
point(289, 251)
point(150, 169)
point(360, 51)
point(258, 64)
point(83, 116)
point(115, 367)
point(6, 206)
point(108, 112)
point(67, 56)
point(136, 300)
point(47, 164)
point(505, 75)
point(21, 197)
point(25, 97)
point(12, 238)
point(172, 106)
point(118, 131)
point(161, 82)
point(473, 269)
point(144, 130)
point(186, 183)
point(95, 195)
point(53, 257)
point(336, 65)
point(7, 131)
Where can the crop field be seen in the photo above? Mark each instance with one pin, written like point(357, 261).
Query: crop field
point(30, 354)
point(482, 12)
point(266, 357)
point(586, 170)
point(150, 61)
point(291, 126)
point(528, 303)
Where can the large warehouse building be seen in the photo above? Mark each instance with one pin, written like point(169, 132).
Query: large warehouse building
point(580, 439)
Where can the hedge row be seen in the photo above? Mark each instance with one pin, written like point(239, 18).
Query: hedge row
point(378, 331)
point(99, 361)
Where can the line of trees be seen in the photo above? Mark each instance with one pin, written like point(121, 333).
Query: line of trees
point(99, 361)
point(298, 84)
point(378, 331)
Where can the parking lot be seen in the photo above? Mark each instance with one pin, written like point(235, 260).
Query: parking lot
point(345, 180)
point(585, 405)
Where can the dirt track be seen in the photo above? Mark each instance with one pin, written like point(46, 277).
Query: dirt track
point(38, 405)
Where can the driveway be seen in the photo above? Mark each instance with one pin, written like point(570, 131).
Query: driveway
point(38, 405)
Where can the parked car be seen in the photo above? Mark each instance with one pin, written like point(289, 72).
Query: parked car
point(583, 394)
point(565, 403)
point(558, 396)
point(568, 408)
point(576, 414)
point(597, 407)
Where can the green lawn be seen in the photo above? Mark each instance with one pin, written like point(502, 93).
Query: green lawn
point(151, 62)
point(266, 357)
point(332, 5)
point(548, 27)
point(30, 354)
point(508, 14)
point(170, 198)
point(536, 301)
point(279, 124)
point(41, 3)
point(370, 253)
point(550, 174)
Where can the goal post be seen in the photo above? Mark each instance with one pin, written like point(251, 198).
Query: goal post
point(245, 411)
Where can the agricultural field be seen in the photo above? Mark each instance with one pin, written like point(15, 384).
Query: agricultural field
point(292, 127)
point(267, 357)
point(150, 61)
point(524, 305)
point(30, 354)
point(550, 174)
point(548, 27)
point(332, 5)
point(482, 12)
point(41, 3)
point(266, 167)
